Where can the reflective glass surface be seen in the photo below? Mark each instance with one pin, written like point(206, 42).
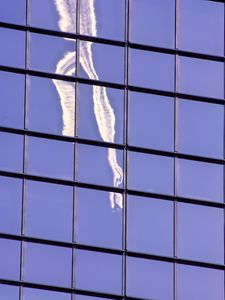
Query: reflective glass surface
point(153, 22)
point(9, 292)
point(9, 259)
point(36, 294)
point(45, 202)
point(151, 121)
point(10, 205)
point(12, 99)
point(12, 11)
point(101, 272)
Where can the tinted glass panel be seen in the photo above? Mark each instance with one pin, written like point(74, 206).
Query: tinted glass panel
point(9, 259)
point(153, 22)
point(100, 113)
point(81, 297)
point(200, 180)
point(101, 62)
point(107, 230)
point(45, 202)
point(10, 205)
point(97, 18)
point(197, 18)
point(47, 264)
point(200, 128)
point(36, 294)
point(12, 99)
point(100, 272)
point(52, 54)
point(152, 69)
point(9, 54)
point(51, 106)
point(11, 152)
point(50, 158)
point(151, 173)
point(199, 283)
point(151, 121)
point(150, 226)
point(149, 279)
point(53, 14)
point(201, 77)
point(12, 11)
point(200, 233)
point(9, 292)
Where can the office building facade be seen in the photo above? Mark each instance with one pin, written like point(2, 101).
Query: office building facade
point(112, 149)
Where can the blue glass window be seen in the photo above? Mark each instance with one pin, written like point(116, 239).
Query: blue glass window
point(9, 292)
point(36, 294)
point(12, 11)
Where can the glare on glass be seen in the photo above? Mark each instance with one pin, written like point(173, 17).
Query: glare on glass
point(100, 116)
point(12, 11)
point(201, 77)
point(10, 205)
point(51, 106)
point(37, 294)
point(101, 62)
point(151, 121)
point(200, 128)
point(11, 152)
point(200, 180)
point(100, 272)
point(201, 26)
point(149, 279)
point(11, 55)
point(49, 211)
point(52, 54)
point(151, 69)
point(9, 259)
point(150, 173)
point(153, 22)
point(97, 18)
point(200, 233)
point(53, 14)
point(47, 264)
point(150, 225)
point(199, 283)
point(96, 222)
point(9, 292)
point(50, 158)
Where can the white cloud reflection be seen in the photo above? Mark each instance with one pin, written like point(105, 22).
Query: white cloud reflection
point(103, 111)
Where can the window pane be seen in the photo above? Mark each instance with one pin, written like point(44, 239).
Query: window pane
point(47, 264)
point(101, 62)
point(9, 292)
point(51, 106)
point(200, 128)
point(197, 18)
point(9, 259)
point(99, 165)
point(81, 297)
point(52, 54)
point(44, 202)
point(151, 121)
point(97, 18)
point(150, 173)
point(9, 54)
point(152, 69)
point(36, 294)
point(200, 283)
point(10, 205)
point(12, 11)
point(201, 77)
point(200, 180)
point(101, 272)
point(100, 113)
point(150, 225)
point(149, 279)
point(200, 233)
point(53, 14)
point(153, 22)
point(12, 99)
point(50, 158)
point(11, 152)
point(95, 205)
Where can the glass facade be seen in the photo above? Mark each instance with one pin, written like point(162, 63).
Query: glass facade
point(112, 149)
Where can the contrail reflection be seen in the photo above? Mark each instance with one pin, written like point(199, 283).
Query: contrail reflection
point(103, 111)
